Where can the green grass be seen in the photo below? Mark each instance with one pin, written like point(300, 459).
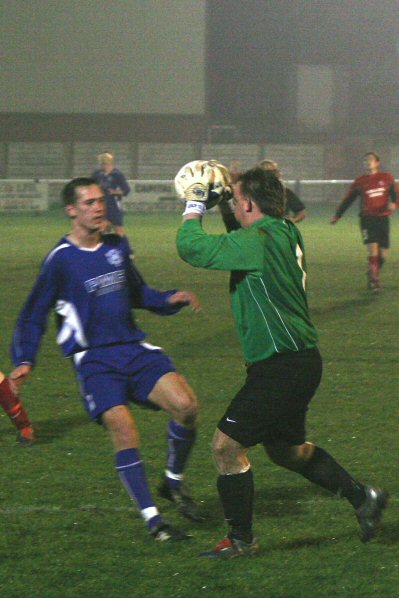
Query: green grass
point(68, 527)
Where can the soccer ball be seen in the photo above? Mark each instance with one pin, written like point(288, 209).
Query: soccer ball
point(207, 181)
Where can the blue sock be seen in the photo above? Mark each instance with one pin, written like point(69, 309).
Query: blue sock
point(180, 442)
point(132, 475)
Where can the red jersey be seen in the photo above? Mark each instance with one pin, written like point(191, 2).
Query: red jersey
point(376, 192)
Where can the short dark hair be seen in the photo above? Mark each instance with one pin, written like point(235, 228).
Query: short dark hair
point(376, 156)
point(265, 189)
point(68, 193)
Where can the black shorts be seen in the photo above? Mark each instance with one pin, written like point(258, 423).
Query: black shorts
point(375, 229)
point(271, 406)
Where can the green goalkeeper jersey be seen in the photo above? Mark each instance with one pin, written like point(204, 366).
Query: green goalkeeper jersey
point(267, 287)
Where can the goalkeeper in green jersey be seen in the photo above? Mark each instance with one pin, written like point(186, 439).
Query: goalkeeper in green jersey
point(268, 298)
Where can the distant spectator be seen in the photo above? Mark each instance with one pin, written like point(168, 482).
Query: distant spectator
point(296, 210)
point(115, 186)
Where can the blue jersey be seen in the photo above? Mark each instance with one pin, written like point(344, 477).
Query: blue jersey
point(93, 292)
point(114, 180)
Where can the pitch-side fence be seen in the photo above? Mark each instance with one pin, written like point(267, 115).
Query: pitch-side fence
point(33, 195)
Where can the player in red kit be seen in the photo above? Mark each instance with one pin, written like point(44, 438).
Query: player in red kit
point(378, 194)
point(12, 406)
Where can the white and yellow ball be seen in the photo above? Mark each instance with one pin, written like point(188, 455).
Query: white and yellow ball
point(207, 181)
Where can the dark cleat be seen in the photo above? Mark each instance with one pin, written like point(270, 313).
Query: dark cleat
point(182, 500)
point(231, 548)
point(164, 532)
point(369, 514)
point(26, 436)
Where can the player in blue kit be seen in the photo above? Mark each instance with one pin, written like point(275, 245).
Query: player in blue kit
point(91, 283)
point(115, 187)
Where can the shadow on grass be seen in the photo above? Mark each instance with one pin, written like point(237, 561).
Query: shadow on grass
point(343, 305)
point(269, 503)
point(286, 500)
point(389, 534)
point(211, 510)
point(317, 541)
point(47, 431)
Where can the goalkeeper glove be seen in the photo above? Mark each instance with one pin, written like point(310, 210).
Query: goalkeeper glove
point(204, 183)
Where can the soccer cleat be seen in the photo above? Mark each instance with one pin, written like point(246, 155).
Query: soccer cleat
point(26, 436)
point(373, 283)
point(369, 514)
point(374, 286)
point(182, 500)
point(231, 548)
point(164, 532)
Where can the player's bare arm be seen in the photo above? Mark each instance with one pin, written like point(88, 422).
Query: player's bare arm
point(183, 298)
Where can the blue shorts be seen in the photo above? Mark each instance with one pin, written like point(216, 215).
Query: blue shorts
point(116, 374)
point(114, 210)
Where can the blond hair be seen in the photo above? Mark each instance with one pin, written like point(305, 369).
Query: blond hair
point(105, 157)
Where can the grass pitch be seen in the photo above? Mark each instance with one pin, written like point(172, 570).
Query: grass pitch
point(68, 527)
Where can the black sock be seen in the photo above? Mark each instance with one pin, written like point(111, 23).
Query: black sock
point(236, 492)
point(323, 470)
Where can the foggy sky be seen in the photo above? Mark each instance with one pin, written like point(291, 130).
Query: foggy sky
point(255, 47)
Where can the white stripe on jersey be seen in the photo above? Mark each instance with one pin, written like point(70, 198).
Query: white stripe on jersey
point(52, 253)
point(77, 357)
point(71, 326)
point(279, 315)
point(151, 347)
point(264, 317)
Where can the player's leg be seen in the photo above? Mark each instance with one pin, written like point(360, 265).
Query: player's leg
point(105, 398)
point(120, 424)
point(372, 229)
point(382, 254)
point(288, 447)
point(173, 394)
point(373, 266)
point(383, 240)
point(15, 411)
point(236, 492)
point(368, 225)
point(319, 467)
point(244, 424)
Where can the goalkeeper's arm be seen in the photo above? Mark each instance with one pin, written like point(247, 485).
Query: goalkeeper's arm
point(238, 250)
point(230, 221)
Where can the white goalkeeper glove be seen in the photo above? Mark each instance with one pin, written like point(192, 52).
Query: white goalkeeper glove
point(201, 184)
